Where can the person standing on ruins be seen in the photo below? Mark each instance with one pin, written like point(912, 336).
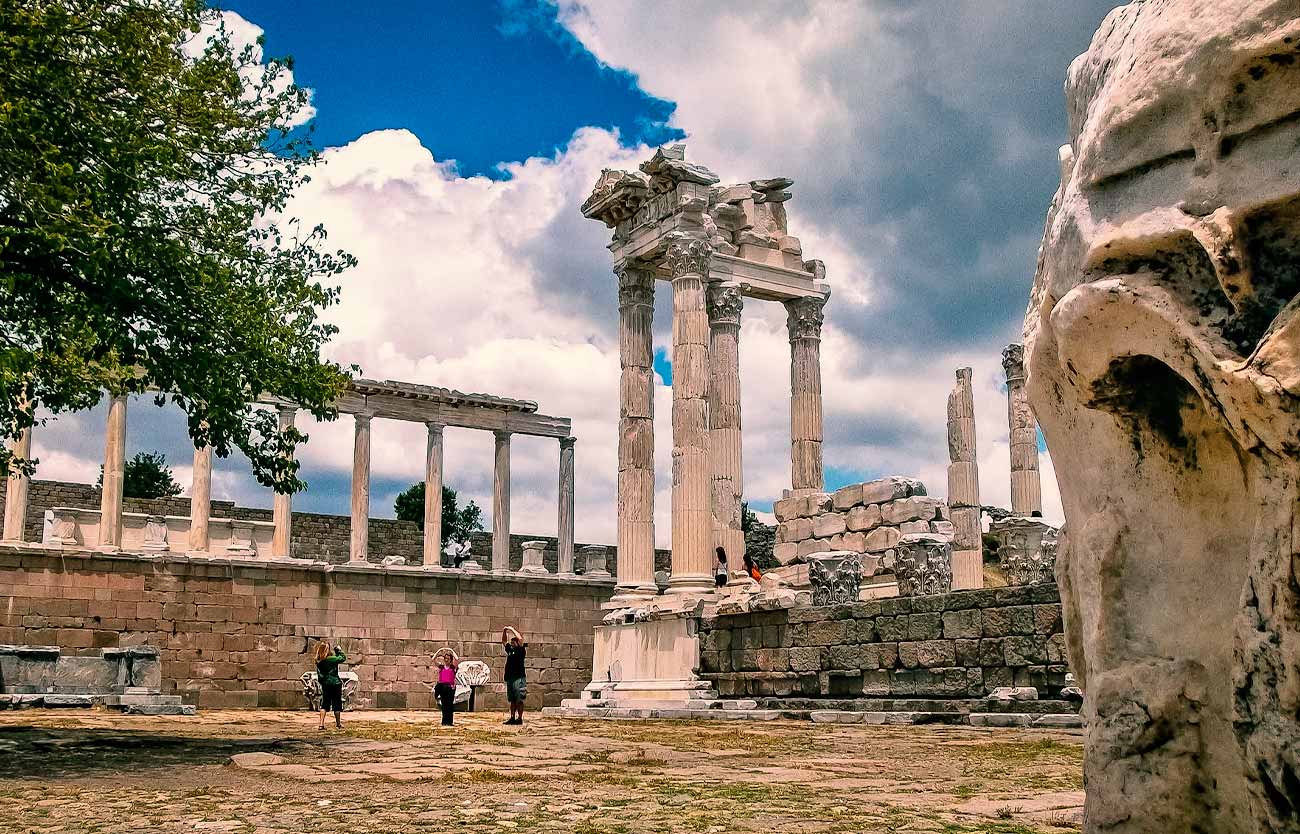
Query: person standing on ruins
point(445, 689)
point(331, 685)
point(516, 682)
point(720, 569)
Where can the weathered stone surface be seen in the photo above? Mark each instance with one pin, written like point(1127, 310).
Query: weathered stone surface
point(888, 489)
point(909, 509)
point(828, 524)
point(255, 759)
point(1169, 266)
point(846, 497)
point(881, 539)
point(864, 518)
point(786, 553)
point(816, 504)
point(787, 508)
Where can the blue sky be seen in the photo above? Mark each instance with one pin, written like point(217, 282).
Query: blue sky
point(475, 81)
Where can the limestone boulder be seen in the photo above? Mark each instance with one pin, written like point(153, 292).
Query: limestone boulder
point(863, 518)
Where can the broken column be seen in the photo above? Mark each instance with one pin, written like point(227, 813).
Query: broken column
point(964, 487)
point(282, 506)
point(692, 514)
point(725, 304)
point(636, 463)
point(804, 318)
point(501, 503)
point(16, 489)
point(1026, 489)
point(110, 502)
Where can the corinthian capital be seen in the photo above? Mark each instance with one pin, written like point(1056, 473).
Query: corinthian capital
point(635, 286)
point(725, 303)
point(1013, 362)
point(804, 317)
point(688, 256)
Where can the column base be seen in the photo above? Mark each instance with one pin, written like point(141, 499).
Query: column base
point(699, 585)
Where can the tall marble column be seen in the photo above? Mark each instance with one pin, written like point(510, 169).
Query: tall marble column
point(360, 543)
point(433, 498)
point(16, 490)
point(964, 487)
point(725, 305)
point(804, 322)
point(282, 506)
point(564, 527)
point(692, 512)
point(1026, 488)
point(110, 502)
point(201, 499)
point(636, 442)
point(501, 503)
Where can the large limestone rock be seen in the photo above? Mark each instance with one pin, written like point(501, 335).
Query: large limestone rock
point(1163, 347)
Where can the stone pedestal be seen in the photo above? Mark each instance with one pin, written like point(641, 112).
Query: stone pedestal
point(534, 558)
point(636, 475)
point(804, 322)
point(725, 305)
point(110, 506)
point(648, 662)
point(594, 561)
point(964, 487)
point(692, 513)
point(1026, 487)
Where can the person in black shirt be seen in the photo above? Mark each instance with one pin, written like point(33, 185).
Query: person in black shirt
point(516, 682)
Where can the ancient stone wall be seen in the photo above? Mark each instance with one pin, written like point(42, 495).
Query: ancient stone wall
point(237, 632)
point(317, 536)
point(959, 645)
point(861, 518)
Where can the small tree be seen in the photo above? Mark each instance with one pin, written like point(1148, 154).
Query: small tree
point(146, 475)
point(457, 522)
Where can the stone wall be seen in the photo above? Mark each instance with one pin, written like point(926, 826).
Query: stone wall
point(861, 518)
point(316, 536)
point(237, 632)
point(959, 645)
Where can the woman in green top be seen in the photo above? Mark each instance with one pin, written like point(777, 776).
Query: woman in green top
point(331, 685)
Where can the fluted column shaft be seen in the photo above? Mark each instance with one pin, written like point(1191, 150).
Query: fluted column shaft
point(564, 525)
point(282, 504)
point(804, 322)
point(725, 305)
point(16, 490)
point(360, 544)
point(433, 498)
point(692, 512)
point(1026, 486)
point(636, 443)
point(201, 499)
point(964, 487)
point(110, 503)
point(501, 503)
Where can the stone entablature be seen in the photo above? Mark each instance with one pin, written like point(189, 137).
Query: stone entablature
point(867, 518)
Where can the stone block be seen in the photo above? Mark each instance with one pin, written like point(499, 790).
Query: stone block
point(811, 546)
point(827, 633)
point(843, 657)
point(991, 653)
point(886, 489)
point(924, 626)
point(1047, 619)
point(965, 624)
point(787, 508)
point(934, 654)
point(1000, 719)
point(1022, 619)
point(996, 622)
point(1061, 721)
point(798, 529)
point(786, 553)
point(828, 524)
point(846, 497)
point(891, 629)
point(914, 527)
point(861, 519)
point(1024, 651)
point(942, 528)
point(881, 539)
point(908, 655)
point(816, 504)
point(853, 542)
point(805, 659)
point(909, 509)
point(968, 652)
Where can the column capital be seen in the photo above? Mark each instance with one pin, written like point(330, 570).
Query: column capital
point(635, 286)
point(804, 317)
point(434, 428)
point(285, 409)
point(688, 256)
point(567, 442)
point(1013, 362)
point(502, 435)
point(362, 417)
point(725, 302)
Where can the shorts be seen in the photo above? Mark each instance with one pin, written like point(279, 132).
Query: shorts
point(517, 690)
point(331, 697)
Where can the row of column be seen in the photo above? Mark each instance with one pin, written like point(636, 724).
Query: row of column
point(110, 525)
point(706, 419)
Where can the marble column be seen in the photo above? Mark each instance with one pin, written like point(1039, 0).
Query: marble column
point(501, 504)
point(433, 498)
point(725, 305)
point(804, 322)
point(964, 487)
point(1026, 488)
point(636, 458)
point(201, 499)
point(16, 490)
point(564, 528)
point(360, 543)
point(110, 503)
point(692, 512)
point(282, 506)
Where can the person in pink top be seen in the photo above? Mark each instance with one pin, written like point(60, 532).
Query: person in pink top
point(445, 689)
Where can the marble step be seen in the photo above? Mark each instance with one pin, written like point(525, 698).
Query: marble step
point(625, 713)
point(655, 703)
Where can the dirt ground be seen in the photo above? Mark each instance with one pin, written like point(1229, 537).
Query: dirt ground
point(401, 772)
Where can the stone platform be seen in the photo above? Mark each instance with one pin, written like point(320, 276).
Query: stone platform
point(128, 679)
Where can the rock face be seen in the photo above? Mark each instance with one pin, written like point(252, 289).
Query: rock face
point(1163, 348)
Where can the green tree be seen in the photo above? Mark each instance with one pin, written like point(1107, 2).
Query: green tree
point(146, 475)
point(457, 522)
point(146, 163)
point(760, 538)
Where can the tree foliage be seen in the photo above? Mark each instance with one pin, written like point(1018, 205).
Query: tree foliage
point(146, 475)
point(146, 162)
point(457, 522)
point(760, 538)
